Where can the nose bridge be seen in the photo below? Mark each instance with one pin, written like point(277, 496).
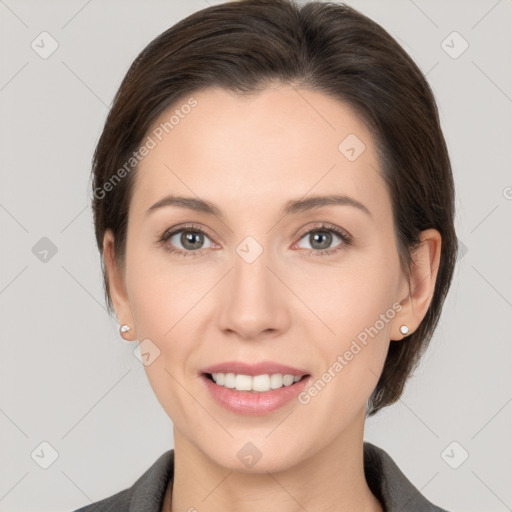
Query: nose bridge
point(252, 302)
point(251, 267)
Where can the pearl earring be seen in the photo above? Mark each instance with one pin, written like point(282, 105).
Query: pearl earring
point(404, 329)
point(123, 330)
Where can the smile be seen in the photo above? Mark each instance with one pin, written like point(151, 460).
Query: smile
point(254, 383)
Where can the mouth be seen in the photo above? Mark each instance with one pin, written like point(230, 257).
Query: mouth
point(253, 389)
point(262, 383)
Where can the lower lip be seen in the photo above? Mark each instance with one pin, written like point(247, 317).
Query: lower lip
point(254, 404)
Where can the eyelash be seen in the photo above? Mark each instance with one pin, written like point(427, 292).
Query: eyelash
point(321, 227)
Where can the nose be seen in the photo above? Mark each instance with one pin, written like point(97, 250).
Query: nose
point(253, 300)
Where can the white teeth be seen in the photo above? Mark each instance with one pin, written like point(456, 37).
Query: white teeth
point(261, 383)
point(276, 381)
point(256, 383)
point(288, 380)
point(229, 380)
point(243, 383)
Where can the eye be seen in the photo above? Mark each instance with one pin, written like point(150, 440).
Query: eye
point(191, 239)
point(321, 237)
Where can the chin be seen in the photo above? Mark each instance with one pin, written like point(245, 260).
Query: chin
point(255, 454)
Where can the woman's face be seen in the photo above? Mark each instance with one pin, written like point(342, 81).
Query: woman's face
point(260, 282)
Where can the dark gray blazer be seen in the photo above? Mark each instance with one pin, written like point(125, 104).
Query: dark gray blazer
point(387, 482)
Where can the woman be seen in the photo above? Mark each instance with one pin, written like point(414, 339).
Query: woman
point(274, 207)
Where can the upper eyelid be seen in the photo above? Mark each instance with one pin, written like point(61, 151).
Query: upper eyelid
point(327, 226)
point(187, 227)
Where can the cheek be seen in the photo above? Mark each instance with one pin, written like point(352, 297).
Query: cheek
point(160, 293)
point(356, 304)
point(159, 301)
point(351, 297)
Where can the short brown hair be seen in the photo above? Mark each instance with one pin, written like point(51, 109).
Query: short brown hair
point(244, 46)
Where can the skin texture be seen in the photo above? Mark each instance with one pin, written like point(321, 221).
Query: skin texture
point(249, 156)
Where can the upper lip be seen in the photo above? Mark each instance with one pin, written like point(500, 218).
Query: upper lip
point(265, 367)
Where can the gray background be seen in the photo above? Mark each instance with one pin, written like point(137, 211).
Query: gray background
point(68, 379)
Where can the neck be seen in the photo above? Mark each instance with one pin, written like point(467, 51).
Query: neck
point(332, 479)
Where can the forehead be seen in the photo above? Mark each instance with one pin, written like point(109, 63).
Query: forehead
point(262, 149)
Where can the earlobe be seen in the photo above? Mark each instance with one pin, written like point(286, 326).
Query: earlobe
point(117, 285)
point(424, 270)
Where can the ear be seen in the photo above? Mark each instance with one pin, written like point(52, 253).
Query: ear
point(420, 288)
point(117, 286)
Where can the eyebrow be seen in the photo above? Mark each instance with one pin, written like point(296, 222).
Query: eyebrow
point(293, 206)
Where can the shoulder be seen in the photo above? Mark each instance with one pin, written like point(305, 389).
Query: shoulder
point(390, 485)
point(147, 493)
